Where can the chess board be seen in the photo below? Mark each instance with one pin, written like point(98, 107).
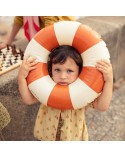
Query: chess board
point(10, 58)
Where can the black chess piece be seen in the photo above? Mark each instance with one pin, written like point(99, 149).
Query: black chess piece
point(10, 62)
point(14, 49)
point(0, 51)
point(16, 57)
point(8, 47)
point(21, 54)
point(4, 57)
point(0, 66)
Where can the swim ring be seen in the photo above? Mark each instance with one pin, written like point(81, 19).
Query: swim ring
point(90, 81)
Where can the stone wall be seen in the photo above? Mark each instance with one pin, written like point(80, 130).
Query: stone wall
point(112, 30)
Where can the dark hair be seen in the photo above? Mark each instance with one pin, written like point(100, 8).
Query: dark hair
point(60, 55)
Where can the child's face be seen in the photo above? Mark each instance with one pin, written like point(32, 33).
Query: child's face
point(65, 73)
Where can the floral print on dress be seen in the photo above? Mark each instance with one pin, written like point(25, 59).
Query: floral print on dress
point(73, 126)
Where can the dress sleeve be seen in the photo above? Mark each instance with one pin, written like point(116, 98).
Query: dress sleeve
point(18, 20)
point(67, 18)
point(49, 20)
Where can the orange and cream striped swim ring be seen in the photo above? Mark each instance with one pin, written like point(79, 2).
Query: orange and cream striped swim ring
point(90, 81)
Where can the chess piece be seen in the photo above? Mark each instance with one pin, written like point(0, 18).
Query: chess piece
point(4, 57)
point(21, 54)
point(0, 65)
point(8, 47)
point(0, 51)
point(14, 49)
point(10, 62)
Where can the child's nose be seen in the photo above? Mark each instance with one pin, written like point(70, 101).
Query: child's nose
point(63, 75)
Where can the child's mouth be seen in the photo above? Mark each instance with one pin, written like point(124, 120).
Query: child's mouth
point(63, 83)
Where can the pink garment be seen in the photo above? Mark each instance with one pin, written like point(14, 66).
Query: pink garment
point(31, 26)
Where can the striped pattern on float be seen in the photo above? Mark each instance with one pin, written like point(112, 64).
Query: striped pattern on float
point(89, 83)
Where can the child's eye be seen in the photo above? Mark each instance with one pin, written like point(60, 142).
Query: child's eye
point(57, 70)
point(69, 71)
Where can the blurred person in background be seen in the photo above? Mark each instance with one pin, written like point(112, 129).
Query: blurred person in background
point(31, 25)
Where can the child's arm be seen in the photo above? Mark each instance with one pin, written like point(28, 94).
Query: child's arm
point(103, 101)
point(26, 66)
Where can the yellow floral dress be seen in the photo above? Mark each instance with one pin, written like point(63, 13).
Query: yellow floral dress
point(73, 124)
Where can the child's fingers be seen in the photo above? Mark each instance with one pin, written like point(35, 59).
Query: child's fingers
point(103, 64)
point(32, 68)
point(31, 64)
point(100, 68)
point(31, 59)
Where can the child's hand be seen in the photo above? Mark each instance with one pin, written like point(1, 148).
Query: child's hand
point(106, 68)
point(27, 65)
